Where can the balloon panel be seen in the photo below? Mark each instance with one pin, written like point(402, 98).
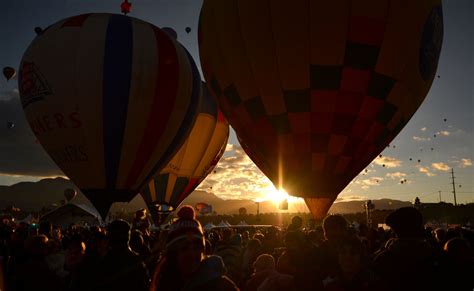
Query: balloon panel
point(94, 92)
point(313, 101)
point(191, 163)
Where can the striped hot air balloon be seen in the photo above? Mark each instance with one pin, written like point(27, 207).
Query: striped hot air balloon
point(193, 162)
point(317, 89)
point(111, 98)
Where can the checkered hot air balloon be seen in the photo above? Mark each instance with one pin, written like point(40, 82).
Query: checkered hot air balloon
point(317, 89)
point(111, 99)
point(196, 158)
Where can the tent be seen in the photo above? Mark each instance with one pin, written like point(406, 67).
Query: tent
point(242, 223)
point(227, 223)
point(72, 213)
point(222, 224)
point(209, 226)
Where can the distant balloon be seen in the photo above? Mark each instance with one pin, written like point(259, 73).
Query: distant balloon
point(188, 29)
point(38, 30)
point(419, 161)
point(383, 165)
point(215, 171)
point(9, 73)
point(69, 194)
point(366, 170)
point(445, 120)
point(432, 148)
point(434, 135)
point(438, 76)
point(126, 7)
point(10, 125)
point(411, 159)
point(394, 146)
point(380, 156)
point(171, 32)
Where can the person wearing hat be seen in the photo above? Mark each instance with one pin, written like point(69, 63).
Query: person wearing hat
point(408, 261)
point(121, 268)
point(183, 265)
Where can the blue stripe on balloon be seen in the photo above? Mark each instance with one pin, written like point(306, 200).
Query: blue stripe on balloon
point(118, 57)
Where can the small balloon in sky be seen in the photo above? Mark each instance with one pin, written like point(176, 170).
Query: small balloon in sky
point(188, 29)
point(383, 165)
point(215, 171)
point(419, 161)
point(38, 30)
point(366, 170)
point(394, 146)
point(380, 156)
point(438, 76)
point(434, 135)
point(445, 119)
point(411, 159)
point(432, 148)
point(9, 73)
point(126, 7)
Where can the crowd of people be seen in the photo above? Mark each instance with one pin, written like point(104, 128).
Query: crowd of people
point(333, 256)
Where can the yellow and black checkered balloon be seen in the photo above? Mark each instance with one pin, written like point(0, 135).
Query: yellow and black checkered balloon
point(316, 89)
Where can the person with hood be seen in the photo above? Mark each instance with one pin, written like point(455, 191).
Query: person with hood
point(408, 261)
point(183, 265)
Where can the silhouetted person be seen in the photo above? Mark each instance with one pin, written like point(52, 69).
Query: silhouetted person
point(183, 265)
point(266, 277)
point(408, 261)
point(335, 231)
point(459, 265)
point(121, 268)
point(35, 274)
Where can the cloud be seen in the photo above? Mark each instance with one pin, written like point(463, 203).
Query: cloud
point(440, 167)
point(418, 138)
point(423, 128)
point(367, 183)
point(443, 132)
point(236, 177)
point(389, 162)
point(19, 153)
point(396, 175)
point(426, 171)
point(351, 198)
point(465, 163)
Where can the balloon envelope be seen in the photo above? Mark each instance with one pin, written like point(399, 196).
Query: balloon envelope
point(195, 159)
point(111, 99)
point(69, 194)
point(9, 73)
point(317, 89)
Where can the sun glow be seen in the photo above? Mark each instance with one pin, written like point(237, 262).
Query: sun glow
point(278, 195)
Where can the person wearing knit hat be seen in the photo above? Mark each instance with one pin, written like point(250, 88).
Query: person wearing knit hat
point(183, 263)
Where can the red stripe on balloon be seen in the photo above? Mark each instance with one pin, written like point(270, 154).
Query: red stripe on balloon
point(164, 99)
point(76, 21)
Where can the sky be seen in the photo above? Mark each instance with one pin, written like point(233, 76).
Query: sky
point(440, 135)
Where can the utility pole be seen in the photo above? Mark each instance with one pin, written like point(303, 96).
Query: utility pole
point(454, 187)
point(439, 196)
point(258, 210)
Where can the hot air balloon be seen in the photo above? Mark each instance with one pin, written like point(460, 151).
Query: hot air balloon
point(188, 29)
point(9, 73)
point(126, 7)
point(203, 208)
point(111, 99)
point(317, 89)
point(193, 162)
point(69, 194)
point(38, 30)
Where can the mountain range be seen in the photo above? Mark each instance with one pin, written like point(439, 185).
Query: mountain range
point(48, 193)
